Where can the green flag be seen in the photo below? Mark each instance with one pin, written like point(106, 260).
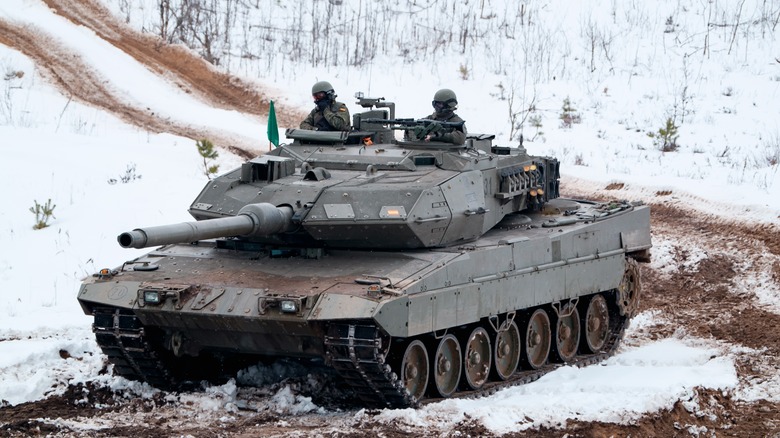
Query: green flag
point(273, 130)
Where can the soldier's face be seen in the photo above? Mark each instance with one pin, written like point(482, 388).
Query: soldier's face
point(318, 96)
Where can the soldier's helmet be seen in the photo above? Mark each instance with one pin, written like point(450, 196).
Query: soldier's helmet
point(322, 90)
point(444, 100)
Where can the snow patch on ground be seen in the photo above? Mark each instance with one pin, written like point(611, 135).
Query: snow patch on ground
point(644, 379)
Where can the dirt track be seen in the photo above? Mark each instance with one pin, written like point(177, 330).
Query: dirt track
point(704, 301)
point(708, 299)
point(186, 70)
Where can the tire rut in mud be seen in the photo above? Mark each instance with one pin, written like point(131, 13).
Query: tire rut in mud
point(66, 70)
point(190, 71)
point(696, 298)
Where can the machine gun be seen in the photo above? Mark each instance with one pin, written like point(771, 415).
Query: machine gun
point(420, 127)
point(375, 102)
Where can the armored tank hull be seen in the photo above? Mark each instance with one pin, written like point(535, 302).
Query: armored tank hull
point(399, 326)
point(416, 271)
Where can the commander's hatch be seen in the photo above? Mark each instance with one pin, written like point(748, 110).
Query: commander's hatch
point(267, 168)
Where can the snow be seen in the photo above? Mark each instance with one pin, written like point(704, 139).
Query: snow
point(129, 80)
point(51, 373)
point(644, 379)
point(61, 150)
point(637, 381)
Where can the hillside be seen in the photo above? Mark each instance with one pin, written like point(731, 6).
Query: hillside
point(710, 295)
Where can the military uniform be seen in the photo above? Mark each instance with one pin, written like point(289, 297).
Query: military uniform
point(445, 103)
point(334, 117)
point(457, 135)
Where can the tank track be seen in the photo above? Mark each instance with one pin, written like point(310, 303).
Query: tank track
point(527, 376)
point(121, 336)
point(354, 350)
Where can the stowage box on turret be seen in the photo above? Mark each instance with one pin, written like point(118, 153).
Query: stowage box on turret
point(416, 270)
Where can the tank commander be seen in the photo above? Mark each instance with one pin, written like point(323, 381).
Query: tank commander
point(444, 104)
point(328, 114)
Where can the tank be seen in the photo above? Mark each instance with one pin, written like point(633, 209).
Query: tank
point(415, 270)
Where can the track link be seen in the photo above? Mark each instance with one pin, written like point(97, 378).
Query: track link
point(120, 335)
point(355, 352)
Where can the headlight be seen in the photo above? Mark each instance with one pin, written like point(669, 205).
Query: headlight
point(288, 306)
point(151, 297)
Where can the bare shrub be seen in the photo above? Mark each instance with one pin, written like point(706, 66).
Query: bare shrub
point(12, 83)
point(772, 150)
point(569, 114)
point(129, 175)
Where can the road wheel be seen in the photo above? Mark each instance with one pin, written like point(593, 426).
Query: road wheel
point(447, 365)
point(414, 369)
point(537, 339)
point(567, 333)
point(477, 358)
point(507, 350)
point(596, 323)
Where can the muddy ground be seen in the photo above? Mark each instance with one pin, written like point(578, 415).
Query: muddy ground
point(706, 302)
point(710, 299)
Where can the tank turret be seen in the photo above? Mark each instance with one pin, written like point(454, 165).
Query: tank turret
point(365, 189)
point(414, 269)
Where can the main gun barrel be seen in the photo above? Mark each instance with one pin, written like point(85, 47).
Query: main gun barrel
point(253, 220)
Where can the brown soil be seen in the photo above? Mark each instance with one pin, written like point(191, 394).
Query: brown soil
point(189, 72)
point(705, 299)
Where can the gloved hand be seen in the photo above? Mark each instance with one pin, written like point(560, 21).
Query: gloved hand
point(419, 132)
point(323, 125)
point(436, 130)
point(429, 131)
point(322, 104)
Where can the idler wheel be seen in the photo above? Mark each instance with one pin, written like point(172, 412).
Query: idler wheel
point(477, 358)
point(629, 289)
point(567, 333)
point(507, 350)
point(596, 324)
point(447, 364)
point(414, 369)
point(537, 339)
